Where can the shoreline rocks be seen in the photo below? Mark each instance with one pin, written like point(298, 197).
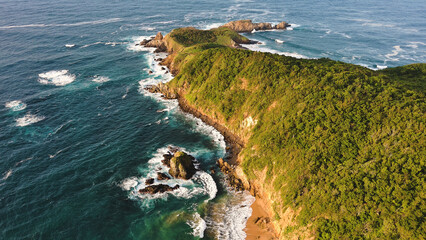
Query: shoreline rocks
point(162, 176)
point(233, 179)
point(248, 26)
point(163, 89)
point(149, 181)
point(160, 188)
point(156, 42)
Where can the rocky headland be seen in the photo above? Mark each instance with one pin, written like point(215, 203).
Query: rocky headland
point(286, 123)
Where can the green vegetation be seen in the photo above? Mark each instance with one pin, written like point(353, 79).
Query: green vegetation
point(341, 142)
point(191, 36)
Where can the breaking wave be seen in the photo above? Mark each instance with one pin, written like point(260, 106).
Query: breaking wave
point(16, 105)
point(100, 79)
point(28, 119)
point(200, 184)
point(57, 78)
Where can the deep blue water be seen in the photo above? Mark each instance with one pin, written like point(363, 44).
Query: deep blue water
point(84, 136)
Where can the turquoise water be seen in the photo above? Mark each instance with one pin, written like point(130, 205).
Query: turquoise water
point(78, 135)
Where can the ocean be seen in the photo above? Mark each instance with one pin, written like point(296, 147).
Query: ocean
point(79, 135)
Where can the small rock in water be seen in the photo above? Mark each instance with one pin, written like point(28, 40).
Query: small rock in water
point(149, 181)
point(160, 188)
point(162, 176)
point(166, 160)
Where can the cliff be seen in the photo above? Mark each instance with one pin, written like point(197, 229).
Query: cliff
point(335, 150)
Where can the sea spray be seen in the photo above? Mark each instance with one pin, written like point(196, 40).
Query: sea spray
point(57, 78)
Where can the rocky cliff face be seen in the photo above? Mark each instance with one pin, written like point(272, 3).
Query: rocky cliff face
point(249, 26)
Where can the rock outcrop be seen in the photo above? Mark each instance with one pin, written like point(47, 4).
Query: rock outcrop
point(182, 166)
point(160, 188)
point(163, 89)
point(249, 26)
point(166, 159)
point(149, 181)
point(282, 25)
point(233, 179)
point(162, 176)
point(156, 42)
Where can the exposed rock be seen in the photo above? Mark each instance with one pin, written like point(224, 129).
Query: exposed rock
point(162, 176)
point(149, 181)
point(249, 26)
point(173, 149)
point(282, 25)
point(166, 160)
point(161, 48)
point(163, 89)
point(144, 42)
point(159, 36)
point(150, 72)
point(181, 166)
point(160, 188)
point(163, 68)
point(233, 180)
point(154, 43)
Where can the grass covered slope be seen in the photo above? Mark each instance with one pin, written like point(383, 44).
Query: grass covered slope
point(339, 145)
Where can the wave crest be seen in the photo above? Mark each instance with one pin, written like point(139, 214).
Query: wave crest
point(28, 119)
point(57, 78)
point(16, 105)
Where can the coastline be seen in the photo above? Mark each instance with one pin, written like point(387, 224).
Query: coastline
point(259, 225)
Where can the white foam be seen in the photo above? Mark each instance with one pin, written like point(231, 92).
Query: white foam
point(134, 46)
point(100, 79)
point(391, 56)
point(69, 45)
point(157, 69)
point(198, 225)
point(228, 219)
point(146, 28)
point(129, 183)
point(125, 94)
point(28, 119)
point(88, 45)
point(199, 184)
point(379, 67)
point(259, 48)
point(208, 182)
point(211, 26)
point(57, 78)
point(102, 21)
point(206, 129)
point(292, 26)
point(16, 105)
point(279, 41)
point(7, 174)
